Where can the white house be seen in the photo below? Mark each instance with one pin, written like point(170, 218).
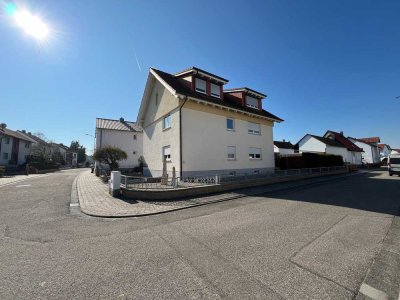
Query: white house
point(200, 129)
point(331, 143)
point(122, 134)
point(14, 147)
point(283, 148)
point(370, 148)
point(384, 151)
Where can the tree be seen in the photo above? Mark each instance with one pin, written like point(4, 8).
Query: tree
point(110, 156)
point(76, 147)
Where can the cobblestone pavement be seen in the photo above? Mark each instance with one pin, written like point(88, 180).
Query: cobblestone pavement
point(13, 179)
point(95, 200)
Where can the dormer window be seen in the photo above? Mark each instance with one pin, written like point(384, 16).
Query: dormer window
point(201, 85)
point(252, 102)
point(215, 90)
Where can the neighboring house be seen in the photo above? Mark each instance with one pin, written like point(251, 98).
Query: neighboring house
point(198, 128)
point(283, 147)
point(39, 144)
point(122, 134)
point(14, 147)
point(384, 150)
point(331, 143)
point(370, 147)
point(395, 151)
point(69, 156)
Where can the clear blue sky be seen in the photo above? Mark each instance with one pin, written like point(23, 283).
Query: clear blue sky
point(323, 64)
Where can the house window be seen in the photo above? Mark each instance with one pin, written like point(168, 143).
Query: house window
point(200, 85)
point(167, 153)
point(230, 124)
point(27, 146)
point(134, 136)
point(5, 155)
point(254, 153)
point(254, 128)
point(252, 102)
point(231, 150)
point(215, 90)
point(6, 141)
point(232, 173)
point(167, 122)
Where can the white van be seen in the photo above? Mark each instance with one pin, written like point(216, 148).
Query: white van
point(394, 164)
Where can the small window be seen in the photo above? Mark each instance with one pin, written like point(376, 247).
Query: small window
point(254, 153)
point(134, 136)
point(27, 146)
point(167, 153)
point(6, 141)
point(231, 152)
point(254, 128)
point(215, 90)
point(230, 124)
point(252, 102)
point(201, 85)
point(167, 122)
point(5, 155)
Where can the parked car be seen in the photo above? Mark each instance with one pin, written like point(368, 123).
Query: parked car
point(394, 164)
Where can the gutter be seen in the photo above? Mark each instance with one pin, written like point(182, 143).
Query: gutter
point(180, 135)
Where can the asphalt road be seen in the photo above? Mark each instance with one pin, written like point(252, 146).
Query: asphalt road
point(312, 242)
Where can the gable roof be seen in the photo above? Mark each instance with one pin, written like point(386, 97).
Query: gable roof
point(342, 140)
point(246, 90)
point(202, 72)
point(327, 141)
point(284, 145)
point(176, 86)
point(35, 138)
point(370, 140)
point(16, 134)
point(120, 124)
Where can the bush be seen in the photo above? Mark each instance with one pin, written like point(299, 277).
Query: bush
point(309, 160)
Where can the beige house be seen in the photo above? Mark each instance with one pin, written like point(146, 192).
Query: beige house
point(199, 128)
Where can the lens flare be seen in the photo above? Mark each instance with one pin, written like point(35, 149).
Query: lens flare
point(10, 9)
point(31, 24)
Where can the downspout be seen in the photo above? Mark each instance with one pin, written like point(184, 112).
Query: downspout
point(180, 134)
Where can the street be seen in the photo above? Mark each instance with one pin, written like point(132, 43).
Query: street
point(316, 241)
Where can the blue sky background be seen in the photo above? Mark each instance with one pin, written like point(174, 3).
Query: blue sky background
point(323, 64)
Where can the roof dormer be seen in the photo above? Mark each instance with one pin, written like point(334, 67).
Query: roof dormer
point(203, 82)
point(246, 97)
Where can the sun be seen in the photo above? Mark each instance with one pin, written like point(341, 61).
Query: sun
point(32, 25)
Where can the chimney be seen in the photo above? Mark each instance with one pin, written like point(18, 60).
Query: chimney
point(30, 133)
point(121, 120)
point(283, 140)
point(23, 131)
point(3, 125)
point(341, 133)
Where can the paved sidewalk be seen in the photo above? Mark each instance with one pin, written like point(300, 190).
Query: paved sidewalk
point(94, 199)
point(13, 179)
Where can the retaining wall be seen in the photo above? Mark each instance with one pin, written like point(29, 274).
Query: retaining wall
point(211, 189)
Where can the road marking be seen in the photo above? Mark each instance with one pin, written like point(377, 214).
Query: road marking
point(23, 185)
point(74, 204)
point(373, 293)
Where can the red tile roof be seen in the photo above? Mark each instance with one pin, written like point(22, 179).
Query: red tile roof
point(369, 140)
point(345, 142)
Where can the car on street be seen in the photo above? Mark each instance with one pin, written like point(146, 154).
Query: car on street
point(394, 164)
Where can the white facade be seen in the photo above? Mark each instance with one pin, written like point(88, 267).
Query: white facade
point(371, 152)
point(312, 144)
point(283, 151)
point(128, 141)
point(14, 146)
point(198, 141)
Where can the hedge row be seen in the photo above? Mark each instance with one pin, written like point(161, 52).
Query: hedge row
point(308, 160)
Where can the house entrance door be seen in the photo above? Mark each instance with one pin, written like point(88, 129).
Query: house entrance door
point(14, 151)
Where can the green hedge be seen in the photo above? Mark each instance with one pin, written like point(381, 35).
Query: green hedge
point(309, 160)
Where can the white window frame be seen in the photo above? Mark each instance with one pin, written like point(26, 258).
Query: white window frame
point(252, 105)
point(166, 122)
point(231, 152)
point(233, 123)
point(215, 86)
point(167, 156)
point(199, 89)
point(251, 128)
point(255, 153)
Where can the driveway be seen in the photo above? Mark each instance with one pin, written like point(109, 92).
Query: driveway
point(316, 242)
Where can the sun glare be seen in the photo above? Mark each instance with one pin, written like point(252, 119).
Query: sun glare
point(31, 24)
